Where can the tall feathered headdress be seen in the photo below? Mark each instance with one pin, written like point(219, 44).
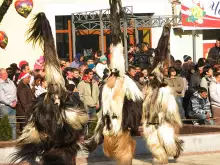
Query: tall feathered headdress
point(162, 51)
point(163, 48)
point(40, 33)
point(117, 57)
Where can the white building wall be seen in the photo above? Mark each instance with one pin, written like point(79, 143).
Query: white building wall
point(182, 44)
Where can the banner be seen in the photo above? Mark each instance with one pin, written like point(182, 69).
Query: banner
point(200, 14)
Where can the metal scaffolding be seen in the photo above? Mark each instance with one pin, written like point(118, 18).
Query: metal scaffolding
point(100, 20)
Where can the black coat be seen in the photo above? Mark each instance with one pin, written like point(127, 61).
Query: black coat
point(25, 99)
point(214, 53)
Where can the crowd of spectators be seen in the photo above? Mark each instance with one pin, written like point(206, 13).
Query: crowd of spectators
point(196, 86)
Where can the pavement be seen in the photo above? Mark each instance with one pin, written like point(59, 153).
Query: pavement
point(201, 159)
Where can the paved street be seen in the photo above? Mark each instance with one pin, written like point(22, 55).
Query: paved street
point(203, 159)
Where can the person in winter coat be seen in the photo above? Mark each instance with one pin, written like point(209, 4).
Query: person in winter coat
point(195, 78)
point(214, 91)
point(41, 88)
point(177, 84)
point(89, 93)
point(100, 67)
point(199, 107)
point(8, 99)
point(214, 52)
point(207, 77)
point(25, 96)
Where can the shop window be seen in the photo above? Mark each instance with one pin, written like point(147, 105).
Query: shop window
point(62, 22)
point(62, 42)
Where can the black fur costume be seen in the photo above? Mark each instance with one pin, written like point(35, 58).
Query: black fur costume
point(53, 131)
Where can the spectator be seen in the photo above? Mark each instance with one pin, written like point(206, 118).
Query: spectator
point(62, 66)
point(145, 74)
point(25, 68)
point(38, 72)
point(25, 96)
point(41, 88)
point(76, 61)
point(177, 84)
point(143, 57)
point(100, 67)
point(15, 68)
point(218, 69)
point(207, 77)
point(89, 93)
point(137, 69)
point(187, 66)
point(187, 59)
point(214, 91)
point(36, 83)
point(81, 70)
point(70, 85)
point(63, 63)
point(97, 56)
point(138, 48)
point(139, 80)
point(10, 73)
point(39, 64)
point(195, 79)
point(16, 72)
point(89, 61)
point(131, 52)
point(178, 67)
point(76, 77)
point(199, 107)
point(214, 52)
point(67, 64)
point(22, 63)
point(131, 72)
point(8, 100)
point(95, 76)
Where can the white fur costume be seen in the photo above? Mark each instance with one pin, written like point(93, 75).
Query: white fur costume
point(161, 119)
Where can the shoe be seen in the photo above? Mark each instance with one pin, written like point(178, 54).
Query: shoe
point(195, 122)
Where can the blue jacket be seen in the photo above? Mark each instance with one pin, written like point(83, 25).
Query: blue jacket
point(199, 105)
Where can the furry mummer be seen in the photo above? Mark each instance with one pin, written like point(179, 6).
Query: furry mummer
point(160, 111)
point(121, 101)
point(53, 130)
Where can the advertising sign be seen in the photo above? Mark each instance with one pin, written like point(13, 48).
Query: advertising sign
point(200, 14)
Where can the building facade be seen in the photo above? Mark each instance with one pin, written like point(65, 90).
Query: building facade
point(16, 26)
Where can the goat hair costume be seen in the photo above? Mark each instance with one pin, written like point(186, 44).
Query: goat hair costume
point(160, 110)
point(121, 101)
point(53, 130)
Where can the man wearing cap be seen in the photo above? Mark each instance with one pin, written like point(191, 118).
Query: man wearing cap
point(25, 96)
point(195, 78)
point(187, 66)
point(39, 63)
point(22, 63)
point(8, 99)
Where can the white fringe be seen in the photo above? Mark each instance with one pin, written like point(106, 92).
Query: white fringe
point(132, 91)
point(117, 58)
